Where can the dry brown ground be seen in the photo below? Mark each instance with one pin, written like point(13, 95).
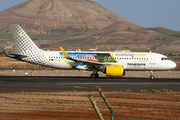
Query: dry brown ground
point(157, 105)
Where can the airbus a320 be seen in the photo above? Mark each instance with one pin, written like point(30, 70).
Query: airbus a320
point(113, 64)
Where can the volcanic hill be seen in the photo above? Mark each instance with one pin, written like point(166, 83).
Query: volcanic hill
point(82, 24)
point(58, 16)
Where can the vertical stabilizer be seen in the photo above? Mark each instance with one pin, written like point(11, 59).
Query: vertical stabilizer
point(26, 47)
point(23, 43)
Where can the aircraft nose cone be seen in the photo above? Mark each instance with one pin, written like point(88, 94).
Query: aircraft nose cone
point(173, 64)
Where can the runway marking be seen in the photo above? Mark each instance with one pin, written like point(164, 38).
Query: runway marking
point(118, 83)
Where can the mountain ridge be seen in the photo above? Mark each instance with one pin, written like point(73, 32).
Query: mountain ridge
point(58, 16)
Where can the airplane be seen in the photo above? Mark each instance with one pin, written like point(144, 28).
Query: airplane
point(113, 64)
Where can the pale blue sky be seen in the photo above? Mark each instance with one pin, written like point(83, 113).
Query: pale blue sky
point(146, 13)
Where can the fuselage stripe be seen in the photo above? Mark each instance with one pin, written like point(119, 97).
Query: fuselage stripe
point(66, 61)
point(114, 58)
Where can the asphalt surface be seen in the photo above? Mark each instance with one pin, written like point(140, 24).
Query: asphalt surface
point(55, 84)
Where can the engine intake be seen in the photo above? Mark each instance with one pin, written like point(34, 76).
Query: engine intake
point(114, 70)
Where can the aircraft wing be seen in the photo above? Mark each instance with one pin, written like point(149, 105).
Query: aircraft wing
point(83, 61)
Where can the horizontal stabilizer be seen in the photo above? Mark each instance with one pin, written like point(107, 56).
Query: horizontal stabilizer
point(16, 55)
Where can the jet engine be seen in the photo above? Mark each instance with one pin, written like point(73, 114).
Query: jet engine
point(114, 70)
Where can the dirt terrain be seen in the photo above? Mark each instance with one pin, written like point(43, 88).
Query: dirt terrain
point(156, 105)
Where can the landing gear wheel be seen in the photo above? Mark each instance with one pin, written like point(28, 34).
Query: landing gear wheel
point(152, 77)
point(94, 75)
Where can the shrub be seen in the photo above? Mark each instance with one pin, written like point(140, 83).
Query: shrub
point(74, 90)
point(166, 90)
point(128, 90)
point(170, 90)
point(155, 91)
point(170, 54)
point(143, 91)
point(60, 102)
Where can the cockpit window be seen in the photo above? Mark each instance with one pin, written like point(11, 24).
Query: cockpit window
point(164, 58)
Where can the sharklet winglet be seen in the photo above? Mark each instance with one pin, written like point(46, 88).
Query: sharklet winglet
point(64, 53)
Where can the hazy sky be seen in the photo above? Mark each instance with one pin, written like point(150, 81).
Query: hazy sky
point(146, 13)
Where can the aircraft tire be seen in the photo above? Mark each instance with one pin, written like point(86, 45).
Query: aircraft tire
point(152, 77)
point(96, 75)
point(93, 76)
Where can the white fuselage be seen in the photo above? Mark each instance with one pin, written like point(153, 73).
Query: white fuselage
point(135, 61)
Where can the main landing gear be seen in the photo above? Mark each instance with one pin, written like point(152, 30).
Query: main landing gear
point(94, 75)
point(151, 75)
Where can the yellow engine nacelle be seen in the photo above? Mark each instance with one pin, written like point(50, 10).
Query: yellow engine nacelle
point(114, 70)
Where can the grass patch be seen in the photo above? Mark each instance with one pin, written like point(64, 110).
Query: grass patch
point(52, 37)
point(166, 31)
point(5, 36)
point(162, 90)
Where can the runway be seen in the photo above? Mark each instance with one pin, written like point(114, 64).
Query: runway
point(56, 84)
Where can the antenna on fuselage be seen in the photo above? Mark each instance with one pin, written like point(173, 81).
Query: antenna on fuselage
point(94, 49)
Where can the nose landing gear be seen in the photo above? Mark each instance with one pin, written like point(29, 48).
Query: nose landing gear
point(151, 75)
point(94, 75)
